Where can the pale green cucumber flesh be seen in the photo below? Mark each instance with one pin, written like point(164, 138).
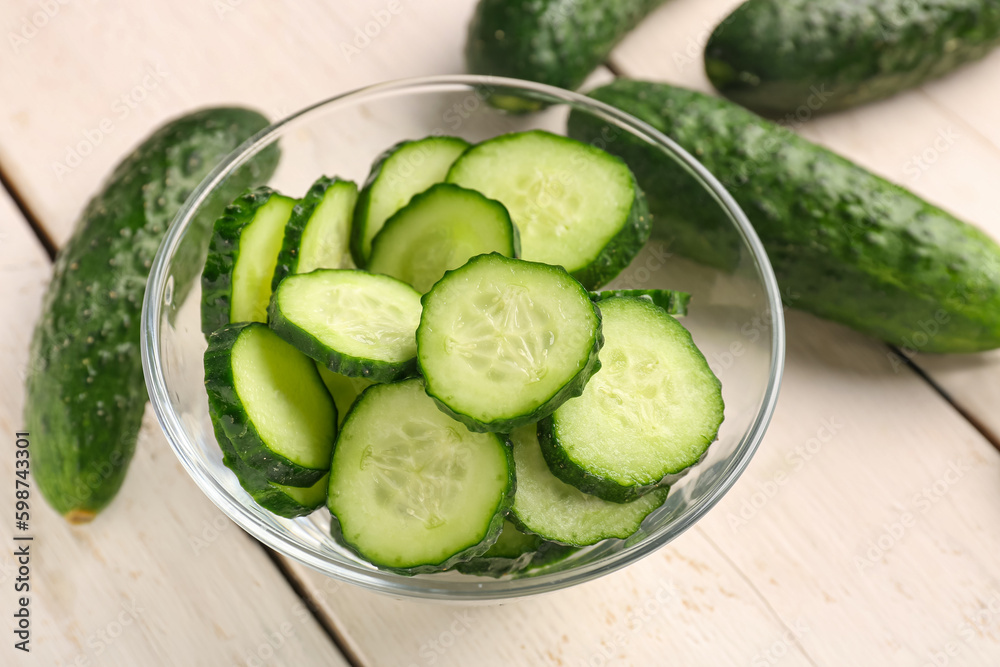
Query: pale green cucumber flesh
point(651, 411)
point(554, 510)
point(574, 205)
point(280, 499)
point(406, 169)
point(353, 322)
point(259, 245)
point(439, 230)
point(326, 238)
point(503, 342)
point(284, 398)
point(343, 389)
point(410, 488)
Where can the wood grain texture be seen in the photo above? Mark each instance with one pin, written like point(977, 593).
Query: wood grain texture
point(779, 574)
point(941, 140)
point(162, 576)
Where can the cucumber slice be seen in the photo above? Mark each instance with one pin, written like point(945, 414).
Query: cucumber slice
point(504, 342)
point(439, 230)
point(649, 413)
point(286, 501)
point(344, 390)
point(353, 322)
point(399, 173)
point(550, 508)
point(268, 399)
point(412, 490)
point(514, 552)
point(318, 232)
point(675, 303)
point(236, 281)
point(574, 205)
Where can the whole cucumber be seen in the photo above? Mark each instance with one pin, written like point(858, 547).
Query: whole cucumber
point(558, 42)
point(780, 57)
point(85, 389)
point(845, 244)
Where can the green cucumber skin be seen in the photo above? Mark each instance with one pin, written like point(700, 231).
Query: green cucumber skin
point(573, 388)
point(558, 42)
point(375, 370)
point(845, 244)
point(623, 246)
point(474, 551)
point(228, 415)
point(85, 388)
point(673, 302)
point(365, 198)
point(217, 276)
point(839, 54)
point(568, 471)
point(541, 554)
point(257, 485)
point(288, 258)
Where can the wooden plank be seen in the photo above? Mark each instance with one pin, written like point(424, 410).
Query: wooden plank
point(130, 66)
point(162, 576)
point(941, 140)
point(869, 513)
point(682, 601)
point(794, 549)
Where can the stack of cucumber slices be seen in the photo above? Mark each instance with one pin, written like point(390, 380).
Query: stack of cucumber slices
point(431, 357)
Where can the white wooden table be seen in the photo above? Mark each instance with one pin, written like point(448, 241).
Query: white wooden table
point(807, 560)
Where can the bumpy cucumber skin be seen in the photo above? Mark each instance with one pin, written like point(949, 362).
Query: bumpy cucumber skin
point(376, 370)
point(558, 42)
point(226, 411)
point(574, 387)
point(673, 302)
point(288, 258)
point(398, 218)
point(780, 57)
point(572, 473)
point(623, 246)
point(845, 244)
point(217, 276)
point(537, 553)
point(490, 537)
point(359, 227)
point(257, 485)
point(85, 389)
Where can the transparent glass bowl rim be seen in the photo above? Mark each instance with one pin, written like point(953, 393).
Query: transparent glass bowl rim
point(425, 587)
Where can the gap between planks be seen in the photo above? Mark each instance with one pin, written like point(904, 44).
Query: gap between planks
point(293, 581)
point(29, 217)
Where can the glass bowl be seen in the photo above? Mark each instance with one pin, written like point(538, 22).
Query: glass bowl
point(735, 317)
